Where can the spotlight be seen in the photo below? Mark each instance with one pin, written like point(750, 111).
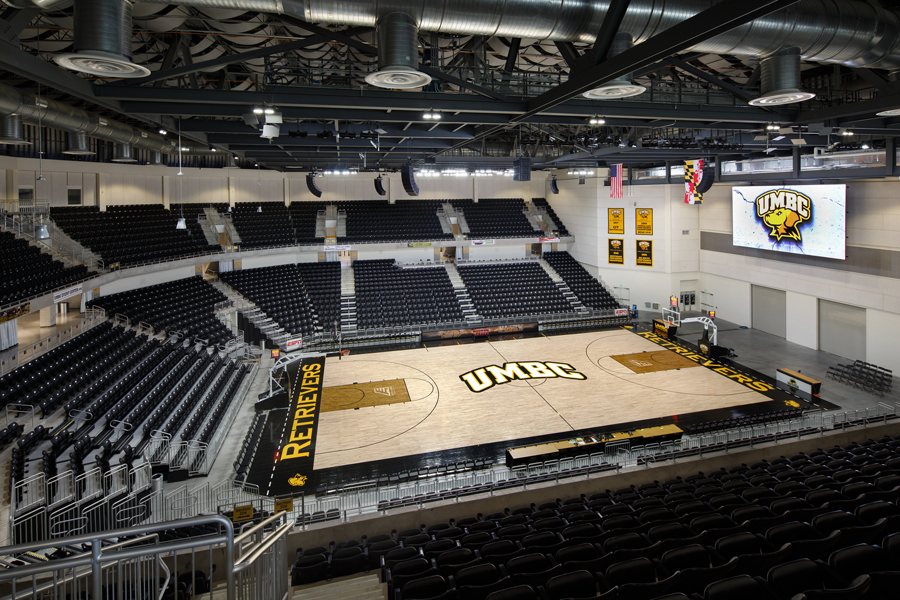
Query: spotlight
point(772, 127)
point(432, 115)
point(595, 120)
point(257, 110)
point(865, 147)
point(163, 132)
point(269, 111)
point(213, 149)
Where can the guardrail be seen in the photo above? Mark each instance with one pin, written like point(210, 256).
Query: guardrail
point(92, 317)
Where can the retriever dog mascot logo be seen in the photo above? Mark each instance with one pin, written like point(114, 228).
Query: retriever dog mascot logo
point(783, 212)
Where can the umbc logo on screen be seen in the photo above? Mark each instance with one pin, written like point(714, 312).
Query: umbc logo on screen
point(784, 211)
point(485, 378)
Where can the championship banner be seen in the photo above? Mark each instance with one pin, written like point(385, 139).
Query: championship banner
point(616, 251)
point(293, 471)
point(616, 218)
point(693, 173)
point(643, 221)
point(644, 256)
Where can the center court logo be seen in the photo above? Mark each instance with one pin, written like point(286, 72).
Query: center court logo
point(484, 378)
point(384, 391)
point(784, 212)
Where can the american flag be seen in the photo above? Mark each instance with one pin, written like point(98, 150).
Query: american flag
point(615, 181)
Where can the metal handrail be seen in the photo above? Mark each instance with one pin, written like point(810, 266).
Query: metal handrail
point(95, 559)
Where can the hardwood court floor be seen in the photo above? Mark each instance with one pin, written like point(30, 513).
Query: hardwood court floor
point(656, 360)
point(443, 413)
point(358, 395)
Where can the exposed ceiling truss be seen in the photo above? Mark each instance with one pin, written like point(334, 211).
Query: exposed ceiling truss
point(497, 97)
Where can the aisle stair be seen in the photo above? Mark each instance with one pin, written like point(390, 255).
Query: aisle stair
point(446, 227)
point(348, 282)
point(462, 294)
point(213, 226)
point(566, 291)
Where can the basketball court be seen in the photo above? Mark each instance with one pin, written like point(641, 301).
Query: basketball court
point(365, 415)
point(611, 377)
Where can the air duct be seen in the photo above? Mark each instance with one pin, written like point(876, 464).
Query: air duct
point(398, 54)
point(24, 106)
point(859, 34)
point(779, 79)
point(102, 40)
point(621, 87)
point(11, 131)
point(79, 145)
point(124, 154)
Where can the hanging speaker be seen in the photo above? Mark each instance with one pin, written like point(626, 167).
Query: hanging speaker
point(409, 180)
point(522, 169)
point(311, 184)
point(379, 186)
point(706, 182)
point(553, 187)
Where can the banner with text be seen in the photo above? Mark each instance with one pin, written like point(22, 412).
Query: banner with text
point(616, 251)
point(293, 471)
point(616, 218)
point(66, 294)
point(643, 221)
point(644, 256)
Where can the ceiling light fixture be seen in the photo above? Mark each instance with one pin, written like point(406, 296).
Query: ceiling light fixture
point(595, 120)
point(163, 132)
point(257, 110)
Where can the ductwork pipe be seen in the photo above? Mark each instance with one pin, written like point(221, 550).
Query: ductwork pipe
point(398, 54)
point(102, 40)
point(621, 87)
point(834, 31)
point(14, 101)
point(79, 145)
point(124, 154)
point(779, 79)
point(11, 131)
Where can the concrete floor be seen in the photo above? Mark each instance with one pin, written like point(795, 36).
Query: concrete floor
point(765, 353)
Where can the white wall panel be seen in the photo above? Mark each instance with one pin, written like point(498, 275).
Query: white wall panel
point(842, 329)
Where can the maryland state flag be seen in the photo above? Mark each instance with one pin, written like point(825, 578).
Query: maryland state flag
point(693, 175)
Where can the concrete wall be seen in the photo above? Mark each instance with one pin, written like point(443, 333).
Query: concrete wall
point(106, 184)
point(145, 280)
point(499, 252)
